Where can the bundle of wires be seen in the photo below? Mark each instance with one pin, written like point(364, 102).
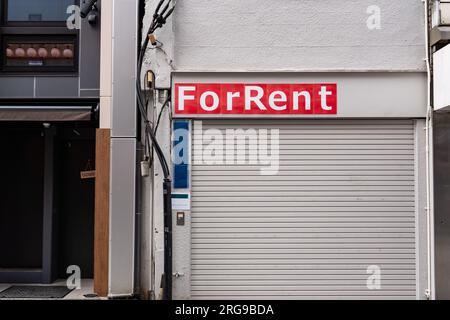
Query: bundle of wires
point(159, 19)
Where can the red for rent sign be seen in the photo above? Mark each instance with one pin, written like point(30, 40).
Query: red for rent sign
point(256, 99)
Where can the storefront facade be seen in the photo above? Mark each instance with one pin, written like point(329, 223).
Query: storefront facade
point(300, 186)
point(49, 97)
point(300, 148)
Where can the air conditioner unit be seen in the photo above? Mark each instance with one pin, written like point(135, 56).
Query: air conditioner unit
point(440, 13)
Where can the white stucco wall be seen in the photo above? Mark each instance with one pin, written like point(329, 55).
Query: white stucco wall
point(297, 35)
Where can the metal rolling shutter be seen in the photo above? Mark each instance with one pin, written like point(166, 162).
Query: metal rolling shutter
point(344, 200)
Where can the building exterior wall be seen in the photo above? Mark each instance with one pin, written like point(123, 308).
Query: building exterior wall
point(83, 84)
point(291, 35)
point(442, 186)
point(299, 42)
point(55, 96)
point(119, 49)
point(440, 58)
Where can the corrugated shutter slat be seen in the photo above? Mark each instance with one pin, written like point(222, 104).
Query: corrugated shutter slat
point(344, 200)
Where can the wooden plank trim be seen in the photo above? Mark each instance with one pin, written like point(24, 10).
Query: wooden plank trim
point(102, 191)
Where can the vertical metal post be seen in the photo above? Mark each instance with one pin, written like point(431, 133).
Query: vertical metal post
point(168, 239)
point(48, 230)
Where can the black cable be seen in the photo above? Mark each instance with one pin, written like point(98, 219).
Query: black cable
point(158, 7)
point(87, 8)
point(143, 112)
point(163, 12)
point(158, 21)
point(161, 113)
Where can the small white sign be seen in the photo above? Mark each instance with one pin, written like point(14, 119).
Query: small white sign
point(181, 201)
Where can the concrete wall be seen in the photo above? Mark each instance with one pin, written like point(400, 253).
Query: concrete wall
point(268, 35)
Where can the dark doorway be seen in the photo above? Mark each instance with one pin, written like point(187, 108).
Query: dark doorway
point(75, 200)
point(21, 197)
point(46, 208)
